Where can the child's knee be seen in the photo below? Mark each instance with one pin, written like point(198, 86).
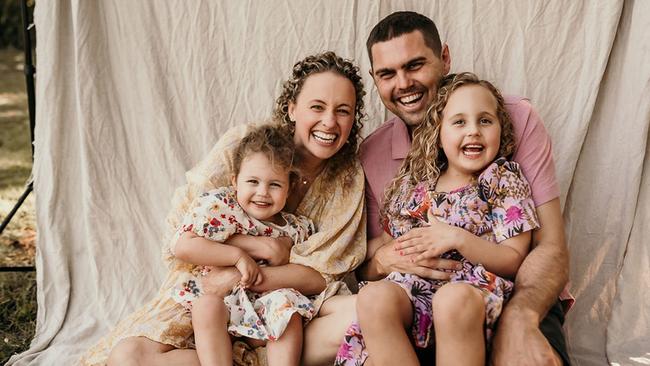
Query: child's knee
point(209, 306)
point(458, 303)
point(382, 298)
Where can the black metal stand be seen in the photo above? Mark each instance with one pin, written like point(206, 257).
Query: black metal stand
point(30, 71)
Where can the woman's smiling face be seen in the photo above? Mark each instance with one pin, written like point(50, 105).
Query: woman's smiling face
point(324, 114)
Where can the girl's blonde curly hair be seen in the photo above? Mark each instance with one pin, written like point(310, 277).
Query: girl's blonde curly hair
point(426, 160)
point(343, 162)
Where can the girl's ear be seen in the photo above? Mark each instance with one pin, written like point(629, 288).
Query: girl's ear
point(233, 181)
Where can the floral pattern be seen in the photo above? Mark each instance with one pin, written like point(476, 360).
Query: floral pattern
point(498, 206)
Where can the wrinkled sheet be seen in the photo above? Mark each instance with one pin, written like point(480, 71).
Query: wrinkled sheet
point(131, 94)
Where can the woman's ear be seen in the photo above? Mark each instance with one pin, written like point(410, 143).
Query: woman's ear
point(290, 111)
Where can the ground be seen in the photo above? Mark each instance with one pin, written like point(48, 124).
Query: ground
point(17, 242)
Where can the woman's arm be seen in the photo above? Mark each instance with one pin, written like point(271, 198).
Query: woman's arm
point(273, 250)
point(198, 250)
point(304, 279)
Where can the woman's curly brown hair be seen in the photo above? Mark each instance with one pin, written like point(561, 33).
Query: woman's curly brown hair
point(343, 162)
point(426, 160)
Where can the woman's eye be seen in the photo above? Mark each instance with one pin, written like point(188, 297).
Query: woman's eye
point(344, 112)
point(317, 107)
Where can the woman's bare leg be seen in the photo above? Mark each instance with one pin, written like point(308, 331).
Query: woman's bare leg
point(140, 351)
point(458, 318)
point(210, 322)
point(324, 334)
point(287, 349)
point(385, 313)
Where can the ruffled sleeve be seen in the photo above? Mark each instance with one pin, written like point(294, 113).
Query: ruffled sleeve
point(215, 215)
point(339, 244)
point(503, 186)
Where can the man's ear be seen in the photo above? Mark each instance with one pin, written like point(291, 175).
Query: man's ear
point(445, 56)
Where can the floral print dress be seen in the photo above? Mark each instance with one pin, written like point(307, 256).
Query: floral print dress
point(217, 216)
point(497, 207)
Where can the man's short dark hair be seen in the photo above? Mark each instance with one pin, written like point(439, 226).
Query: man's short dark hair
point(403, 22)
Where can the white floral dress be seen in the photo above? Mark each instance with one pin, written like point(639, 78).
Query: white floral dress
point(216, 216)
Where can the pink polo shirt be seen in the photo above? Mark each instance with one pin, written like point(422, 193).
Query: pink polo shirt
point(383, 151)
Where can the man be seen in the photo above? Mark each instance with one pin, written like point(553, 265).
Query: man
point(407, 61)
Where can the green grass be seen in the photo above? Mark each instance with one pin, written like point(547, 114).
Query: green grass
point(17, 242)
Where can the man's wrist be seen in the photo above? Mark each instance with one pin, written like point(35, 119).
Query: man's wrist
point(520, 315)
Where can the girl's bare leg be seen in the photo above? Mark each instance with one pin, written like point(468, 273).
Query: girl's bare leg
point(385, 313)
point(287, 349)
point(458, 318)
point(140, 351)
point(324, 334)
point(210, 322)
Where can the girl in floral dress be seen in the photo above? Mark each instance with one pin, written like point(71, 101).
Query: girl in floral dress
point(251, 206)
point(456, 174)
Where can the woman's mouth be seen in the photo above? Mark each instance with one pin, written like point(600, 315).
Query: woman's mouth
point(324, 137)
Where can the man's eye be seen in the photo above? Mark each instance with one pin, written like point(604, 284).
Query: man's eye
point(416, 66)
point(386, 75)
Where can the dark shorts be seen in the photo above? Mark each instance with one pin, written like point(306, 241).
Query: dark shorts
point(551, 327)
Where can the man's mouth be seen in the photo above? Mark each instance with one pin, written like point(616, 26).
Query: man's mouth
point(472, 150)
point(324, 137)
point(410, 99)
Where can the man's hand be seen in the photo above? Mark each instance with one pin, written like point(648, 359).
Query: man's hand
point(518, 341)
point(220, 280)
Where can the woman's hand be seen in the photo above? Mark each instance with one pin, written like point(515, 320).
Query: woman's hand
point(250, 271)
point(220, 280)
point(278, 250)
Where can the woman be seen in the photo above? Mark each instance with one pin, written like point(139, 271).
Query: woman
point(322, 106)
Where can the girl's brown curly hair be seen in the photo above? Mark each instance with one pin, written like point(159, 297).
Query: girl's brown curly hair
point(343, 162)
point(426, 160)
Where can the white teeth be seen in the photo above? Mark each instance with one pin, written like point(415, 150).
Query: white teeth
point(323, 136)
point(410, 98)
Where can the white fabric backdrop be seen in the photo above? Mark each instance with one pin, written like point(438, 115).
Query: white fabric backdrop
point(130, 94)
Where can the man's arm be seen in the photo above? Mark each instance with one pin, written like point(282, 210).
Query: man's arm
point(540, 279)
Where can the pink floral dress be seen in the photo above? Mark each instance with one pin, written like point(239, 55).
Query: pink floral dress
point(216, 216)
point(497, 207)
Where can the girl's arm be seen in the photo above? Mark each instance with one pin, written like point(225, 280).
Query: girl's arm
point(432, 241)
point(198, 250)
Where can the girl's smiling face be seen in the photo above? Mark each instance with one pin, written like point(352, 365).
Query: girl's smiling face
point(470, 131)
point(324, 114)
point(262, 188)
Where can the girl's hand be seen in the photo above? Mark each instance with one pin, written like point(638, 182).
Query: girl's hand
point(428, 242)
point(250, 271)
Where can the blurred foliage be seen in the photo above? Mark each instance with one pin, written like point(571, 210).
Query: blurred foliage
point(17, 311)
point(11, 24)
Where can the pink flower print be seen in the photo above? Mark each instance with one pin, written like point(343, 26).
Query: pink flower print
point(268, 231)
point(513, 213)
point(344, 351)
point(215, 222)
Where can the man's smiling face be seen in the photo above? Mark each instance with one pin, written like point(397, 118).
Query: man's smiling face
point(406, 73)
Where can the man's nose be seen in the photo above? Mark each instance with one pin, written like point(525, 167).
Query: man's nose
point(404, 81)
